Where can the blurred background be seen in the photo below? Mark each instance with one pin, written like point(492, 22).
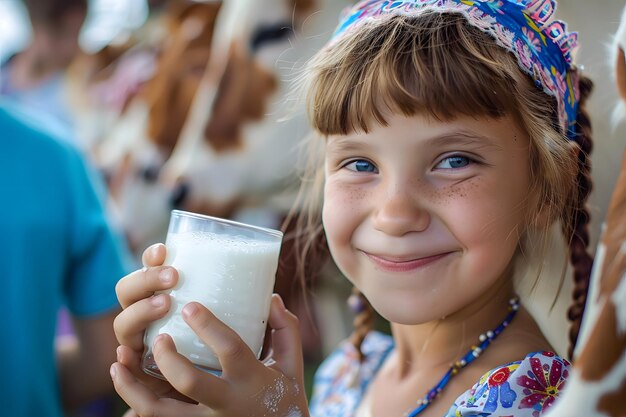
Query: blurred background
point(185, 104)
point(106, 20)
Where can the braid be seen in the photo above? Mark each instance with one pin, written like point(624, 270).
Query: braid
point(581, 259)
point(363, 321)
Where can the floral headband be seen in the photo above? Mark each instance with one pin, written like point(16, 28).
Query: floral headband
point(543, 47)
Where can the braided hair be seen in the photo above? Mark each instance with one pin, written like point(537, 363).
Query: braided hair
point(581, 260)
point(363, 320)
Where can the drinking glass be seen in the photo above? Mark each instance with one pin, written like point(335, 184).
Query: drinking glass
point(228, 267)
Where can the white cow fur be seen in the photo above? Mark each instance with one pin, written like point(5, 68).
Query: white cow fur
point(268, 160)
point(581, 397)
point(619, 299)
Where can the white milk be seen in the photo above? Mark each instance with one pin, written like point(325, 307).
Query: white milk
point(232, 276)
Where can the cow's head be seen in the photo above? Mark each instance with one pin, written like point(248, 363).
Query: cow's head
point(237, 105)
point(180, 66)
point(244, 39)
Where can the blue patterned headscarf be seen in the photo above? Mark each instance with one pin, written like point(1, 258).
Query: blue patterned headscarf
point(542, 46)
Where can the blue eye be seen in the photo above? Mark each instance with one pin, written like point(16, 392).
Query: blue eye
point(361, 165)
point(454, 162)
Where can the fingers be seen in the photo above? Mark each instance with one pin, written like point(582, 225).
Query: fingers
point(144, 283)
point(186, 378)
point(131, 323)
point(286, 342)
point(136, 395)
point(129, 358)
point(234, 355)
point(130, 413)
point(132, 361)
point(144, 402)
point(154, 255)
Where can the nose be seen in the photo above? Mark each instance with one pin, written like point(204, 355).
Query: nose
point(179, 194)
point(400, 212)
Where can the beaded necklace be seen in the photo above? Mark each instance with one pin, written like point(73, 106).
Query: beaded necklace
point(485, 340)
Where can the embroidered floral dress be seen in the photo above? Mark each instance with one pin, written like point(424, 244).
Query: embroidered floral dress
point(525, 388)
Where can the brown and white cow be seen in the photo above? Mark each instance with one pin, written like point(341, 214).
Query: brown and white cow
point(237, 160)
point(597, 386)
point(144, 135)
point(213, 131)
point(226, 154)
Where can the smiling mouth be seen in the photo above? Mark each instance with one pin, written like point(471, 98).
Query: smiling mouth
point(404, 265)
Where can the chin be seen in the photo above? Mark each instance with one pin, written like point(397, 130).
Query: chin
point(406, 312)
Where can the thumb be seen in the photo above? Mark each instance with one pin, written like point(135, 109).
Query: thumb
point(286, 342)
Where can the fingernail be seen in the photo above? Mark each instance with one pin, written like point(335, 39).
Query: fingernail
point(189, 310)
point(166, 275)
point(157, 341)
point(118, 351)
point(113, 371)
point(154, 252)
point(157, 300)
point(281, 303)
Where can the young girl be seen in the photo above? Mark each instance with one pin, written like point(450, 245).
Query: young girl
point(454, 137)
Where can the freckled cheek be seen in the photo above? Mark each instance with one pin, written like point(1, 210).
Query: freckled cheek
point(482, 212)
point(486, 234)
point(343, 210)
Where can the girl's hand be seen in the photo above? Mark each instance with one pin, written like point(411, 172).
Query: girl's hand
point(247, 387)
point(135, 293)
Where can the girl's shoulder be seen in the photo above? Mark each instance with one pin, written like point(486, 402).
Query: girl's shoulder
point(341, 379)
point(524, 388)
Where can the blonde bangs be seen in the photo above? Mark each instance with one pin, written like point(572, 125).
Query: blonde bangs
point(434, 64)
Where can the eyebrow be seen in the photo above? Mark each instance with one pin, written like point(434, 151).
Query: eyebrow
point(343, 143)
point(462, 137)
point(459, 137)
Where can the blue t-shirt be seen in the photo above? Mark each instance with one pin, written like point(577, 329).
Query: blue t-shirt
point(56, 248)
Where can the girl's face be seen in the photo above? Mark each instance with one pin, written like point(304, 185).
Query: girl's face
point(424, 216)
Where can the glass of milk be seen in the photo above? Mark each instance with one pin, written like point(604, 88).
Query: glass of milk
point(228, 267)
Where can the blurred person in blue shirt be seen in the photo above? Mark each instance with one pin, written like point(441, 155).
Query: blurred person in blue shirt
point(36, 76)
point(56, 248)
